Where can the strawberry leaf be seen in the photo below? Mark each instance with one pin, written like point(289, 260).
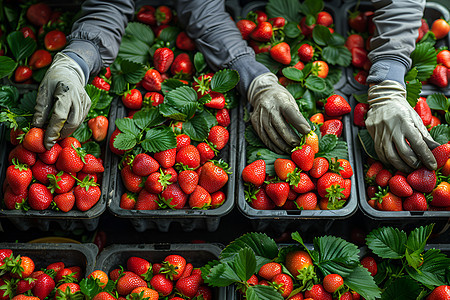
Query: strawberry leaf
point(281, 8)
point(424, 59)
point(334, 75)
point(291, 30)
point(252, 137)
point(126, 125)
point(311, 7)
point(135, 45)
point(170, 84)
point(196, 128)
point(170, 112)
point(183, 99)
point(92, 148)
point(367, 143)
point(7, 66)
point(401, 289)
point(268, 61)
point(254, 153)
point(147, 117)
point(417, 239)
point(432, 271)
point(337, 55)
point(321, 87)
point(361, 98)
point(321, 35)
point(327, 143)
point(124, 141)
point(413, 89)
point(293, 74)
point(411, 75)
point(441, 133)
point(218, 274)
point(82, 133)
point(438, 102)
point(387, 242)
point(224, 80)
point(245, 263)
point(9, 96)
point(169, 35)
point(90, 287)
point(125, 71)
point(261, 292)
point(362, 282)
point(429, 37)
point(101, 98)
point(159, 139)
point(208, 117)
point(296, 90)
point(20, 46)
point(199, 62)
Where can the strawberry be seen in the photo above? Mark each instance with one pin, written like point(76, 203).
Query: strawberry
point(370, 264)
point(443, 58)
point(296, 261)
point(184, 42)
point(361, 77)
point(213, 176)
point(336, 106)
point(128, 282)
point(223, 117)
point(441, 195)
point(183, 140)
point(146, 201)
point(70, 160)
point(162, 59)
point(440, 293)
point(434, 122)
point(43, 286)
point(218, 136)
point(166, 158)
point(16, 136)
point(277, 22)
point(262, 32)
point(42, 171)
point(269, 270)
point(332, 126)
point(343, 168)
point(202, 84)
point(40, 59)
point(173, 266)
point(144, 165)
point(68, 290)
point(103, 296)
point(61, 183)
point(174, 197)
point(359, 57)
point(333, 282)
point(146, 15)
point(69, 142)
point(330, 185)
point(152, 99)
point(50, 157)
point(217, 199)
point(423, 110)
point(245, 27)
point(205, 151)
point(304, 184)
point(152, 81)
point(55, 40)
point(189, 286)
point(111, 143)
point(182, 66)
point(320, 68)
point(284, 284)
point(318, 292)
point(81, 176)
point(284, 167)
point(163, 14)
point(200, 198)
point(259, 47)
point(24, 285)
point(354, 41)
point(131, 181)
point(39, 197)
point(27, 32)
point(217, 100)
point(383, 177)
point(101, 83)
point(399, 186)
point(22, 155)
point(415, 202)
point(281, 53)
point(306, 29)
point(312, 140)
point(19, 177)
point(34, 140)
point(440, 28)
point(278, 192)
point(359, 114)
point(255, 172)
point(441, 154)
point(439, 77)
point(92, 165)
point(389, 202)
point(324, 18)
point(422, 180)
point(307, 201)
point(188, 180)
point(22, 74)
point(132, 99)
point(306, 52)
point(259, 200)
point(173, 174)
point(13, 201)
point(140, 267)
point(39, 14)
point(320, 167)
point(162, 284)
point(188, 156)
point(65, 201)
point(87, 193)
point(303, 156)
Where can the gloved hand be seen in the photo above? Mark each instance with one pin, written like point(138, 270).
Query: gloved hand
point(61, 90)
point(274, 109)
point(391, 121)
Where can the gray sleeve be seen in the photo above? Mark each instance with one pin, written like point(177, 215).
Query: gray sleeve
point(217, 37)
point(397, 23)
point(96, 35)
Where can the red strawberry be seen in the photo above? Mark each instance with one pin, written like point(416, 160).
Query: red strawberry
point(423, 110)
point(439, 77)
point(359, 57)
point(189, 286)
point(336, 106)
point(202, 84)
point(269, 270)
point(188, 181)
point(162, 284)
point(415, 202)
point(65, 201)
point(434, 122)
point(184, 42)
point(40, 59)
point(182, 66)
point(422, 180)
point(262, 33)
point(174, 197)
point(55, 40)
point(49, 157)
point(24, 285)
point(255, 172)
point(43, 286)
point(260, 200)
point(19, 177)
point(101, 83)
point(245, 27)
point(389, 202)
point(61, 183)
point(132, 182)
point(284, 167)
point(320, 167)
point(39, 14)
point(213, 177)
point(183, 140)
point(42, 171)
point(22, 155)
point(304, 183)
point(39, 197)
point(162, 59)
point(188, 156)
point(173, 266)
point(277, 22)
point(218, 136)
point(307, 201)
point(440, 293)
point(354, 40)
point(200, 198)
point(146, 15)
point(205, 151)
point(278, 192)
point(333, 282)
point(441, 195)
point(359, 114)
point(318, 292)
point(345, 169)
point(152, 99)
point(281, 53)
point(333, 126)
point(383, 177)
point(81, 176)
point(217, 100)
point(163, 14)
point(217, 199)
point(329, 185)
point(303, 156)
point(173, 174)
point(152, 81)
point(22, 74)
point(372, 172)
point(132, 99)
point(70, 160)
point(92, 165)
point(67, 290)
point(87, 194)
point(34, 140)
point(306, 52)
point(111, 143)
point(259, 47)
point(443, 58)
point(13, 201)
point(358, 21)
point(146, 201)
point(128, 282)
point(440, 28)
point(127, 201)
point(441, 154)
point(69, 142)
point(285, 284)
point(399, 186)
point(370, 264)
point(144, 165)
point(166, 158)
point(306, 29)
point(361, 77)
point(223, 117)
point(139, 266)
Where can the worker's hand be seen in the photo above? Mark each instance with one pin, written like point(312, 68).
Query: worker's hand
point(400, 138)
point(61, 93)
point(274, 109)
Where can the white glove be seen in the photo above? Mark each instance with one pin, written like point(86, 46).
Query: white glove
point(274, 109)
point(61, 90)
point(391, 122)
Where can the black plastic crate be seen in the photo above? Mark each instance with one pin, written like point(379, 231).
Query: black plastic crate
point(432, 12)
point(43, 254)
point(188, 219)
point(196, 254)
point(279, 219)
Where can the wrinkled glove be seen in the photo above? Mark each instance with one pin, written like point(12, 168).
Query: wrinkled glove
point(61, 91)
point(274, 109)
point(391, 122)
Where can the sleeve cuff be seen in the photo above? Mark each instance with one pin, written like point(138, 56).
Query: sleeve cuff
point(83, 65)
point(387, 69)
point(248, 69)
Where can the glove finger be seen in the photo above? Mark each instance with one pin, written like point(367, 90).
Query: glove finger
point(80, 108)
point(44, 103)
point(295, 118)
point(395, 158)
point(419, 146)
point(281, 128)
point(406, 153)
point(259, 128)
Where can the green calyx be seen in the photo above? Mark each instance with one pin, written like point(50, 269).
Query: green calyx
point(54, 181)
point(294, 177)
point(81, 153)
point(68, 295)
point(19, 166)
point(250, 192)
point(86, 182)
point(222, 164)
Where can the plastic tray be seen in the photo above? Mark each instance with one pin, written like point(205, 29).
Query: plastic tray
point(196, 254)
point(281, 219)
point(377, 217)
point(43, 254)
point(330, 6)
point(432, 12)
point(188, 219)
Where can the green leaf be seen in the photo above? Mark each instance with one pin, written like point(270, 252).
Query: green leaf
point(7, 66)
point(361, 98)
point(159, 139)
point(296, 90)
point(28, 102)
point(293, 73)
point(196, 128)
point(254, 153)
point(261, 292)
point(321, 35)
point(289, 9)
point(311, 7)
point(83, 133)
point(169, 34)
point(125, 71)
point(261, 244)
point(170, 112)
point(140, 31)
point(92, 148)
point(447, 117)
point(224, 80)
point(39, 74)
point(387, 242)
point(90, 287)
point(252, 137)
point(181, 97)
point(411, 75)
point(438, 102)
point(413, 90)
point(382, 271)
point(432, 271)
point(327, 143)
point(362, 282)
point(127, 125)
point(9, 96)
point(199, 62)
point(337, 55)
point(136, 42)
point(147, 117)
point(291, 30)
point(336, 255)
point(336, 40)
point(321, 87)
point(428, 37)
point(401, 289)
point(441, 133)
point(367, 143)
point(417, 239)
point(124, 141)
point(208, 117)
point(219, 275)
point(307, 104)
point(20, 46)
point(424, 60)
point(269, 62)
point(170, 84)
point(334, 75)
point(244, 263)
point(100, 99)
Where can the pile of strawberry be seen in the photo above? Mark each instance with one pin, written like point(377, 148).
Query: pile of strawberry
point(28, 43)
point(60, 178)
point(20, 280)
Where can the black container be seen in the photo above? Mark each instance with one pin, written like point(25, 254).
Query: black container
point(43, 254)
point(280, 220)
point(432, 12)
point(196, 254)
point(377, 218)
point(331, 7)
point(188, 219)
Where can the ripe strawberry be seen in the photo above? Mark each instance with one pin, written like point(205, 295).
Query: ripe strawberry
point(213, 176)
point(184, 42)
point(34, 140)
point(399, 186)
point(415, 202)
point(163, 14)
point(277, 22)
point(22, 74)
point(259, 47)
point(269, 270)
point(324, 18)
point(245, 27)
point(166, 158)
point(183, 140)
point(318, 292)
point(439, 77)
point(189, 286)
point(13, 201)
point(441, 154)
point(285, 284)
point(422, 180)
point(70, 160)
point(67, 290)
point(423, 110)
point(182, 66)
point(87, 193)
point(320, 167)
point(255, 172)
point(152, 99)
point(304, 184)
point(202, 84)
point(333, 282)
point(296, 261)
point(173, 266)
point(50, 157)
point(262, 33)
point(383, 177)
point(162, 284)
point(162, 59)
point(370, 264)
point(361, 77)
point(188, 181)
point(443, 58)
point(101, 83)
point(144, 165)
point(320, 68)
point(440, 293)
point(205, 151)
point(441, 195)
point(22, 155)
point(223, 117)
point(336, 106)
point(24, 285)
point(330, 185)
point(306, 52)
point(139, 266)
point(354, 41)
point(173, 174)
point(146, 15)
point(55, 40)
point(128, 282)
point(61, 183)
point(332, 126)
point(306, 29)
point(40, 59)
point(307, 201)
point(69, 142)
point(359, 114)
point(440, 28)
point(132, 99)
point(43, 286)
point(146, 201)
point(200, 198)
point(389, 202)
point(259, 200)
point(284, 167)
point(359, 57)
point(132, 182)
point(343, 167)
point(434, 122)
point(278, 192)
point(217, 100)
point(281, 53)
point(218, 136)
point(174, 197)
point(39, 14)
point(42, 171)
point(218, 199)
point(188, 156)
point(92, 165)
point(303, 156)
point(39, 197)
point(152, 81)
point(65, 201)
point(19, 177)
